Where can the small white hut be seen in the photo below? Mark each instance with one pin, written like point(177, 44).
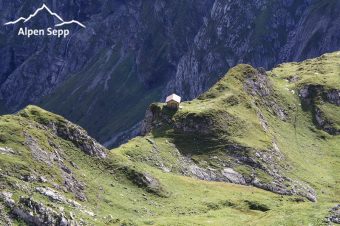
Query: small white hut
point(173, 101)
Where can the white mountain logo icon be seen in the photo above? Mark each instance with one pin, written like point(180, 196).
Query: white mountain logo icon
point(62, 22)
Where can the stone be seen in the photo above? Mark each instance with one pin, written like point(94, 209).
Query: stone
point(233, 176)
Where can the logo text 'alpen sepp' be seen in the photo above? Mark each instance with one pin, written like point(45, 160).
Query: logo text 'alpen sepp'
point(24, 31)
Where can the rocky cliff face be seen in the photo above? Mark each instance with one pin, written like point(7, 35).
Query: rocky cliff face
point(129, 49)
point(140, 51)
point(154, 32)
point(262, 33)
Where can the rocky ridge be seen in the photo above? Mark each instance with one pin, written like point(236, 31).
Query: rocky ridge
point(266, 165)
point(209, 124)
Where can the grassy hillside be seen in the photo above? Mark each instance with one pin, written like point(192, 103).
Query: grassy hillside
point(278, 129)
point(274, 135)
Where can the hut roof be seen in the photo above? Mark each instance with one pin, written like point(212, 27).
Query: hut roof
point(173, 97)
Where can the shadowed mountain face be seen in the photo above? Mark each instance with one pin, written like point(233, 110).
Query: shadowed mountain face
point(134, 52)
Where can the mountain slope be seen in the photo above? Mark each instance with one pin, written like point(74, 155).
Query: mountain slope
point(275, 130)
point(47, 180)
point(140, 51)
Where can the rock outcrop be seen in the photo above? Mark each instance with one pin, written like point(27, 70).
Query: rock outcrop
point(334, 215)
point(66, 130)
point(313, 98)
